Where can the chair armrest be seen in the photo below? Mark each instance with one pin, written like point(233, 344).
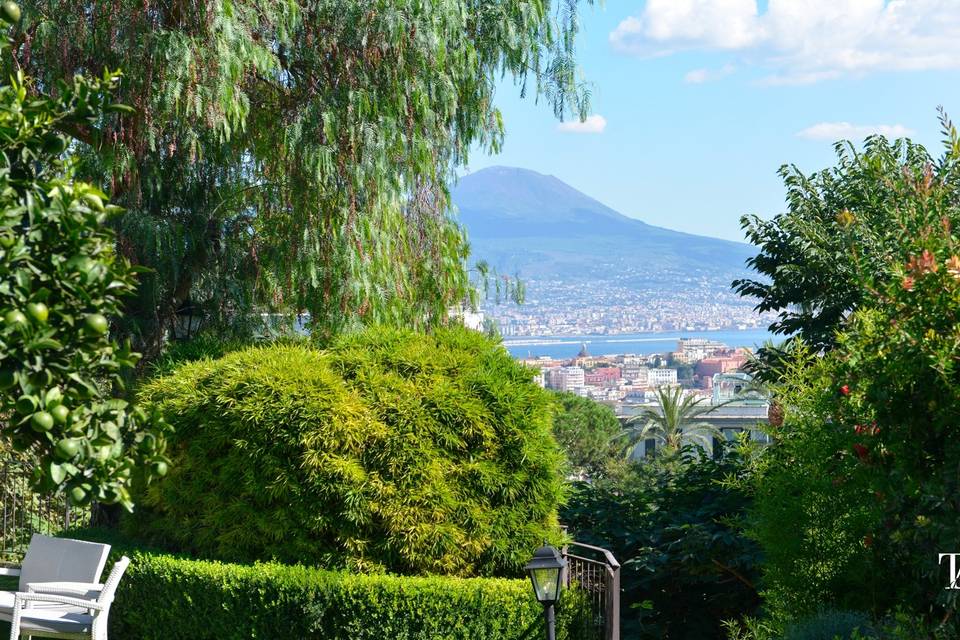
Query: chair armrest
point(9, 571)
point(83, 589)
point(21, 598)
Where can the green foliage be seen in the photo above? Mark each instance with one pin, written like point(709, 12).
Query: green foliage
point(814, 508)
point(206, 345)
point(165, 597)
point(296, 155)
point(585, 430)
point(675, 421)
point(674, 523)
point(842, 225)
point(830, 625)
point(860, 493)
point(59, 280)
point(390, 450)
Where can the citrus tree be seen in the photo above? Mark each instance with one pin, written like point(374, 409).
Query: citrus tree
point(59, 281)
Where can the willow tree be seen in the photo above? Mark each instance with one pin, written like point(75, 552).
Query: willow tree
point(296, 154)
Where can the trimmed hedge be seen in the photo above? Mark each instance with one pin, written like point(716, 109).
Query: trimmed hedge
point(165, 597)
point(388, 451)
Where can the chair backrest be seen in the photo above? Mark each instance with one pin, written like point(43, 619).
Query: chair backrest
point(62, 560)
point(110, 586)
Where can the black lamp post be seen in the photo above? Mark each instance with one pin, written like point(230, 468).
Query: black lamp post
point(546, 572)
point(187, 321)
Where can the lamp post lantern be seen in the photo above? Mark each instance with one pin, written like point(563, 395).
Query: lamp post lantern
point(546, 572)
point(187, 321)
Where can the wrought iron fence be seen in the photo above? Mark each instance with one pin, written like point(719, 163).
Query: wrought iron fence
point(24, 512)
point(596, 573)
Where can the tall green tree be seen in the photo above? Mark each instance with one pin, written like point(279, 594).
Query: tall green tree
point(859, 494)
point(675, 420)
point(297, 154)
point(840, 227)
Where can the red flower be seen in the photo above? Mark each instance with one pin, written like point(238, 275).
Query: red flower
point(908, 283)
point(858, 429)
point(845, 390)
point(862, 452)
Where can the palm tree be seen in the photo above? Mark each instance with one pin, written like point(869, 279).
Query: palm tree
point(674, 422)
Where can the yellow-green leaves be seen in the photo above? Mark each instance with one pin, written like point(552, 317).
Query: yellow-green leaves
point(390, 451)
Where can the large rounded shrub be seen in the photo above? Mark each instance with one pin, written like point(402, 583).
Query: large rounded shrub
point(388, 451)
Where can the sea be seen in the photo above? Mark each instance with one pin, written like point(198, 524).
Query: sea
point(565, 347)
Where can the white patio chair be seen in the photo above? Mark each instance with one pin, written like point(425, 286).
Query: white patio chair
point(73, 565)
point(70, 618)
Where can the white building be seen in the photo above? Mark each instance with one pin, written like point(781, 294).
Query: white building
point(565, 379)
point(691, 350)
point(661, 376)
point(636, 375)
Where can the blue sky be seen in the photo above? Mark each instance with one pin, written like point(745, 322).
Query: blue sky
point(697, 103)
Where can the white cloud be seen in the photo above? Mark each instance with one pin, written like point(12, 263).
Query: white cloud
point(593, 124)
point(834, 131)
point(802, 42)
point(699, 76)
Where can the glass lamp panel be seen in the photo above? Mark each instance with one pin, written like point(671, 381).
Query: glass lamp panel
point(546, 583)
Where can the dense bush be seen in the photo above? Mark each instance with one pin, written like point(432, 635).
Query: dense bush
point(674, 524)
point(388, 451)
point(861, 492)
point(586, 431)
point(165, 597)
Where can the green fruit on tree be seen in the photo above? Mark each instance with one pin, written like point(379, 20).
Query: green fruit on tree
point(160, 468)
point(8, 378)
point(15, 320)
point(41, 422)
point(67, 448)
point(26, 405)
point(96, 324)
point(60, 414)
point(7, 240)
point(78, 496)
point(38, 312)
point(10, 12)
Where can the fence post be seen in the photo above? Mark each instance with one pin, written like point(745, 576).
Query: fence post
point(613, 603)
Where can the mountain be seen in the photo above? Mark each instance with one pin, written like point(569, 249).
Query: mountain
point(539, 226)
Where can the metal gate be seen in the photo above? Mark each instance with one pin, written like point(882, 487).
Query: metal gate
point(596, 573)
point(24, 512)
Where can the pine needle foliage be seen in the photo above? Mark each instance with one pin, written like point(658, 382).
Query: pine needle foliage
point(297, 154)
point(389, 451)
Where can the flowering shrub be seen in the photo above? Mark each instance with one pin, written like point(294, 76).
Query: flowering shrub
point(863, 490)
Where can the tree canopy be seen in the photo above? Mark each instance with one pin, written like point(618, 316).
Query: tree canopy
point(294, 154)
point(585, 430)
point(842, 225)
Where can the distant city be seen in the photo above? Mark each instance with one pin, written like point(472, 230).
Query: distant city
point(710, 371)
point(559, 308)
